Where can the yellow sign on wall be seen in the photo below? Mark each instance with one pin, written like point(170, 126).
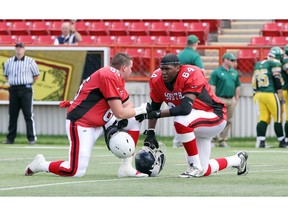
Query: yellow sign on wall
point(53, 82)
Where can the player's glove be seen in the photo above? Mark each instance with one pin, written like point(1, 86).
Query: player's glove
point(143, 109)
point(150, 140)
point(143, 116)
point(122, 124)
point(282, 101)
point(151, 115)
point(154, 114)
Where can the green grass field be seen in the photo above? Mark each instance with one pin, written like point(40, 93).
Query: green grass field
point(100, 190)
point(268, 174)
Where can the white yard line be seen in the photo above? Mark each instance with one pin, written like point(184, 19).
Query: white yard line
point(71, 183)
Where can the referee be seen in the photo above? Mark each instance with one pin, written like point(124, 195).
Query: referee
point(21, 72)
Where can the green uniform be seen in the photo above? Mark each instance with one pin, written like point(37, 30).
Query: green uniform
point(226, 81)
point(266, 98)
point(263, 79)
point(191, 57)
point(285, 92)
point(284, 74)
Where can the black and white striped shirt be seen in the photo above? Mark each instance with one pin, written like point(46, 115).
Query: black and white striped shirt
point(22, 71)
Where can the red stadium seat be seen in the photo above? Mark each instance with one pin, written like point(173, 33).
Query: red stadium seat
point(178, 28)
point(27, 39)
point(136, 54)
point(260, 41)
point(272, 29)
point(157, 55)
point(281, 20)
point(8, 39)
point(106, 40)
point(279, 41)
point(165, 40)
point(55, 28)
point(265, 53)
point(201, 30)
point(246, 60)
point(176, 51)
point(181, 40)
point(139, 28)
point(88, 40)
point(119, 28)
point(146, 40)
point(99, 28)
point(82, 27)
point(40, 28)
point(46, 39)
point(20, 28)
point(159, 28)
point(284, 30)
point(214, 24)
point(5, 28)
point(125, 40)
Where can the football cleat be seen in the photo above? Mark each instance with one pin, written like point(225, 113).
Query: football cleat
point(262, 144)
point(242, 167)
point(192, 171)
point(35, 165)
point(283, 144)
point(130, 172)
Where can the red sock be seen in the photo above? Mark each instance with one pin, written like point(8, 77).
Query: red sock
point(222, 163)
point(54, 167)
point(208, 172)
point(134, 135)
point(191, 147)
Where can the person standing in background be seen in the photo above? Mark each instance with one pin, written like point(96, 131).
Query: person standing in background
point(267, 84)
point(225, 83)
point(189, 56)
point(69, 34)
point(21, 71)
point(284, 74)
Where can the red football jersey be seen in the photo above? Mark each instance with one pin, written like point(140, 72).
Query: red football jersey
point(190, 79)
point(90, 107)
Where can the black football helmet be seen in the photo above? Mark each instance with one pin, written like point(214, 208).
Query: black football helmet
point(150, 161)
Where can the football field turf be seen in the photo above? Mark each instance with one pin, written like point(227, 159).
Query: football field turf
point(267, 177)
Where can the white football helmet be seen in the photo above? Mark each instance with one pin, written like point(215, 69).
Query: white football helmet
point(121, 144)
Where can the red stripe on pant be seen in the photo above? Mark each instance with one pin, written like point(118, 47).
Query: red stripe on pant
point(74, 155)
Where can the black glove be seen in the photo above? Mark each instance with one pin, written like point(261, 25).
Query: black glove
point(141, 117)
point(114, 128)
point(154, 114)
point(122, 124)
point(151, 115)
point(150, 140)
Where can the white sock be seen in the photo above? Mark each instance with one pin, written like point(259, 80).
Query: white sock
point(195, 160)
point(233, 160)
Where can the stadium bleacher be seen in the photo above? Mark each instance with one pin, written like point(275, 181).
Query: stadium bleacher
point(148, 35)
